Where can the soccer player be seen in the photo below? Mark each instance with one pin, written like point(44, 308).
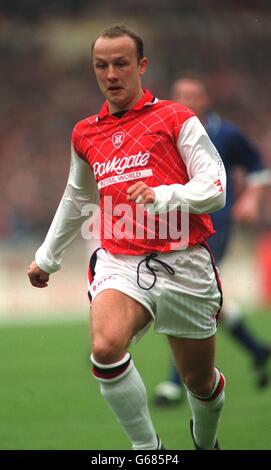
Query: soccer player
point(235, 149)
point(158, 175)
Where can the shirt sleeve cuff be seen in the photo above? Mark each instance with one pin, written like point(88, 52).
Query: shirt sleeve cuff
point(48, 265)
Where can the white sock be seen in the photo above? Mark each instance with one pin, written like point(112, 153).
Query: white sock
point(124, 391)
point(231, 314)
point(206, 413)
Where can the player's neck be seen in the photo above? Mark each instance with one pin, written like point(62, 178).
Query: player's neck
point(114, 108)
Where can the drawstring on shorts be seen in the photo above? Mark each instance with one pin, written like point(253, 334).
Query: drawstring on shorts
point(153, 271)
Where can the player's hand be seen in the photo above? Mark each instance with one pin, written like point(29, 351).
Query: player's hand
point(246, 208)
point(37, 276)
point(141, 193)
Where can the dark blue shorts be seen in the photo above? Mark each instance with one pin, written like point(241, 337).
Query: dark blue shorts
point(219, 242)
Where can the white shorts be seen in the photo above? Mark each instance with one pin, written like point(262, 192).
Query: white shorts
point(183, 303)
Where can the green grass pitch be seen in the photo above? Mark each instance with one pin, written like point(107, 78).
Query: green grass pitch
point(49, 399)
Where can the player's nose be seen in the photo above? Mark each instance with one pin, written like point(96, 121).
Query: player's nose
point(111, 73)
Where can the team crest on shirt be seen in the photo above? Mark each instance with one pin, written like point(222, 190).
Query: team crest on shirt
point(118, 139)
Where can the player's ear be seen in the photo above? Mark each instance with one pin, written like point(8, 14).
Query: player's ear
point(143, 64)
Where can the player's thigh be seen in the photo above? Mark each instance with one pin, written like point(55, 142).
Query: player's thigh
point(194, 358)
point(116, 317)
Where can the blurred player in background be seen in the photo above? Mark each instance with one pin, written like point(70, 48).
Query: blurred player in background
point(147, 157)
point(235, 150)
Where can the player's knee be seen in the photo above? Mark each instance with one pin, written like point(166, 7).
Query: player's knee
point(199, 384)
point(107, 351)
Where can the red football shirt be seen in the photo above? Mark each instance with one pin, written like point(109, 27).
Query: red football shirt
point(139, 146)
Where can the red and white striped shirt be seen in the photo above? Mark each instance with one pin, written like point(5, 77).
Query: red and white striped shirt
point(159, 142)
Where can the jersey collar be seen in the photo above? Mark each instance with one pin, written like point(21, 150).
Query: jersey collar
point(147, 100)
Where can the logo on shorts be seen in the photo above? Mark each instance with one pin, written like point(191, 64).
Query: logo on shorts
point(118, 139)
point(213, 318)
point(97, 284)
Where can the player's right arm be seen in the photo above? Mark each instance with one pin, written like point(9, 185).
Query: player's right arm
point(81, 189)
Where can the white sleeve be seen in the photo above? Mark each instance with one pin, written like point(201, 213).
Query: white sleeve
point(81, 189)
point(206, 189)
point(259, 178)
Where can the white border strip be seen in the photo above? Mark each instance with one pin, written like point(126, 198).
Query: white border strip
point(134, 175)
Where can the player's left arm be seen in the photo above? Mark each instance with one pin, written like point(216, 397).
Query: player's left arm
point(247, 156)
point(206, 189)
point(246, 207)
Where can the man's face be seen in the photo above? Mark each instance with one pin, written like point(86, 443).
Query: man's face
point(191, 93)
point(118, 71)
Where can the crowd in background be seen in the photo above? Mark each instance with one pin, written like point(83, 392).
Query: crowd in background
point(46, 84)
